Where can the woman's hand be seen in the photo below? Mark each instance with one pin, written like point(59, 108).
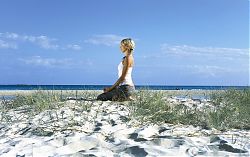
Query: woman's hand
point(106, 89)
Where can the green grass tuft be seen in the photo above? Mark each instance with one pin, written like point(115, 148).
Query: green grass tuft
point(229, 109)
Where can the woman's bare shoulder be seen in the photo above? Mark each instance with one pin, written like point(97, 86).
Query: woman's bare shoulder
point(130, 60)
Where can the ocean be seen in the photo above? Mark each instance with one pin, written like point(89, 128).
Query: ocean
point(100, 87)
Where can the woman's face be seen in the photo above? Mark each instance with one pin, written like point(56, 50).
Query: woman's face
point(122, 47)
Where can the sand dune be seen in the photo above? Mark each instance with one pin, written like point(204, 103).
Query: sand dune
point(105, 129)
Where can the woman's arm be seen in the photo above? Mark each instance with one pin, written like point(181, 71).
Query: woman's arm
point(127, 62)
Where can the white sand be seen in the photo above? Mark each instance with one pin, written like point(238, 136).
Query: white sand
point(103, 129)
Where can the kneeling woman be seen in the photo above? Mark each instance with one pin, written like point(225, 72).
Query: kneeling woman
point(123, 88)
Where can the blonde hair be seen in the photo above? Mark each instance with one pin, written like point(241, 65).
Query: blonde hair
point(128, 42)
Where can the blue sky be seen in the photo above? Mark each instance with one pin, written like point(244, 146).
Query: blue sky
point(178, 42)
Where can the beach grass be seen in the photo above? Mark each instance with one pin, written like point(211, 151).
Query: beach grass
point(38, 101)
point(228, 108)
point(232, 109)
point(153, 107)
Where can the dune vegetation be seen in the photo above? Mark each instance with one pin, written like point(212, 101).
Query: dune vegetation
point(224, 110)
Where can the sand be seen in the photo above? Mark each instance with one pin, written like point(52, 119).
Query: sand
point(96, 128)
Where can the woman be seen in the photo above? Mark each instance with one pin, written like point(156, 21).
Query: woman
point(123, 88)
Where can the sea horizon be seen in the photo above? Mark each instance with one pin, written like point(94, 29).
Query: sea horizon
point(100, 87)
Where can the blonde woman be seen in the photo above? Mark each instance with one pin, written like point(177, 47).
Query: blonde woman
point(124, 87)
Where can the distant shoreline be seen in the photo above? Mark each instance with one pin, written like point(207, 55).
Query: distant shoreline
point(10, 94)
point(100, 87)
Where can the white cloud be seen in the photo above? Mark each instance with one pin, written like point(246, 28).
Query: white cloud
point(74, 47)
point(205, 61)
point(192, 51)
point(7, 45)
point(213, 70)
point(51, 43)
point(65, 63)
point(42, 41)
point(9, 35)
point(209, 70)
point(47, 62)
point(106, 39)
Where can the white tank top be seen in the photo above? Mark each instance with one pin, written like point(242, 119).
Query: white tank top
point(128, 78)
